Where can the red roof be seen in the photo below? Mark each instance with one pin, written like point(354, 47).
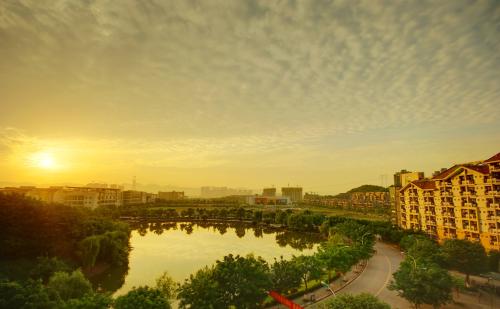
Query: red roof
point(483, 169)
point(425, 184)
point(495, 158)
point(446, 173)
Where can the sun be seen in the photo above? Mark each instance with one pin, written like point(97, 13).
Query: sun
point(44, 160)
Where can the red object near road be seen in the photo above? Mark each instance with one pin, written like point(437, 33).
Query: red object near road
point(285, 301)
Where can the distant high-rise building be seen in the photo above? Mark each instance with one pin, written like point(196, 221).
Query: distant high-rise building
point(294, 193)
point(171, 195)
point(401, 179)
point(132, 197)
point(214, 192)
point(269, 192)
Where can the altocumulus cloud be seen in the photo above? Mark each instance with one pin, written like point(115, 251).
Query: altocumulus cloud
point(215, 70)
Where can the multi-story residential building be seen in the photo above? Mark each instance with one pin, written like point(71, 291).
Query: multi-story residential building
point(294, 193)
point(269, 192)
point(171, 195)
point(460, 202)
point(267, 200)
point(369, 199)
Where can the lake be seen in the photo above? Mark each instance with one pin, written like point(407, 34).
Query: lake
point(181, 248)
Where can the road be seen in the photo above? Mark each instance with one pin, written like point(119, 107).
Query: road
point(376, 277)
point(378, 274)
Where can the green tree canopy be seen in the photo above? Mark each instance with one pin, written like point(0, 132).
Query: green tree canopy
point(336, 257)
point(244, 281)
point(69, 285)
point(349, 301)
point(200, 291)
point(309, 267)
point(465, 256)
point(167, 286)
point(142, 298)
point(422, 283)
point(285, 275)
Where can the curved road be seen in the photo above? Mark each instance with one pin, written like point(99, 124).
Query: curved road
point(377, 275)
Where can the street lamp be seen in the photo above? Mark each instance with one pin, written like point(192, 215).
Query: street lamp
point(327, 286)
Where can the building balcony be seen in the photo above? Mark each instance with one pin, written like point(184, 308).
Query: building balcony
point(448, 214)
point(494, 193)
point(470, 217)
point(450, 235)
point(470, 205)
point(471, 228)
point(495, 180)
point(450, 225)
point(446, 193)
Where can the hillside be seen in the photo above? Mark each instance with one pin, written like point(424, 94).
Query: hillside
point(363, 188)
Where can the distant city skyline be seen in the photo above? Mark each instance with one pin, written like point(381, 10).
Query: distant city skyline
point(326, 95)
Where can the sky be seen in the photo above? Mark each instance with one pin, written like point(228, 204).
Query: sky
point(327, 95)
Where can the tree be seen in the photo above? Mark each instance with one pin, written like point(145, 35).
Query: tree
point(46, 267)
point(69, 286)
point(336, 257)
point(200, 291)
point(29, 295)
point(421, 283)
point(349, 301)
point(88, 301)
point(409, 240)
point(167, 286)
point(142, 298)
point(309, 267)
point(243, 281)
point(285, 275)
point(494, 261)
point(426, 250)
point(465, 256)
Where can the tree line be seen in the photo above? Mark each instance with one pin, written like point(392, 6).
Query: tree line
point(31, 229)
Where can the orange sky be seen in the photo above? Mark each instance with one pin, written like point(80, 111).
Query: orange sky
point(327, 96)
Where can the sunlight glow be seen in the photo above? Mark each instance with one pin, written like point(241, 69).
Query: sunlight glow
point(44, 160)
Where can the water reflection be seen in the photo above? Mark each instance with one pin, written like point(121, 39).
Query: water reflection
point(299, 241)
point(181, 248)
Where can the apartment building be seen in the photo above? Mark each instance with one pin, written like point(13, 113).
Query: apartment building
point(461, 202)
point(294, 193)
point(171, 195)
point(269, 192)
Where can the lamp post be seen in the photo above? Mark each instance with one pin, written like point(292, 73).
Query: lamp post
point(327, 286)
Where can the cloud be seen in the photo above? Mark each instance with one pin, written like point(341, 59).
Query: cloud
point(196, 68)
point(211, 83)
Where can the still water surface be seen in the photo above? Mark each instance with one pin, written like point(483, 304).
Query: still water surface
point(183, 248)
